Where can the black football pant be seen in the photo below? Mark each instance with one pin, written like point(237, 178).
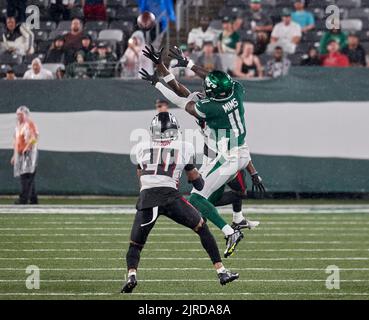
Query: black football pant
point(28, 189)
point(180, 211)
point(237, 193)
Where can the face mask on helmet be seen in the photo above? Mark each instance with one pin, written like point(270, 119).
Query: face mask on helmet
point(218, 85)
point(164, 127)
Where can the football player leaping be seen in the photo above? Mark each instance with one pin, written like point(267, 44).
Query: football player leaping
point(160, 165)
point(223, 110)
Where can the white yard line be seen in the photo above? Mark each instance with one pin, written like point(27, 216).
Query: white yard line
point(185, 250)
point(130, 209)
point(179, 280)
point(190, 258)
point(190, 294)
point(184, 269)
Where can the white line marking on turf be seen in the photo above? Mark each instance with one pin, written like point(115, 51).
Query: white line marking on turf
point(181, 280)
point(190, 258)
point(185, 269)
point(184, 250)
point(184, 243)
point(129, 209)
point(186, 294)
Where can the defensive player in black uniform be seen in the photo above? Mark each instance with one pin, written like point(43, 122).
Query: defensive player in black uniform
point(160, 164)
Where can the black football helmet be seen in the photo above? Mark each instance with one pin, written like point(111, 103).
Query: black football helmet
point(164, 127)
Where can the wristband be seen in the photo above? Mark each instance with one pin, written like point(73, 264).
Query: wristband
point(190, 64)
point(254, 174)
point(169, 77)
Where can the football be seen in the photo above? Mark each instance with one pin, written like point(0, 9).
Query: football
point(146, 21)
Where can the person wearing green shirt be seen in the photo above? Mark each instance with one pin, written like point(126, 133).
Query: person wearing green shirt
point(229, 40)
point(336, 35)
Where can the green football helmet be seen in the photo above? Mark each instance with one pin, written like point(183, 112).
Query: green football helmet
point(218, 85)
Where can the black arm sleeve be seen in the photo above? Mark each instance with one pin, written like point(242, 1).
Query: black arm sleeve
point(199, 183)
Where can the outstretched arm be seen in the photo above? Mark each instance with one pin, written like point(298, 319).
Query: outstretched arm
point(183, 61)
point(156, 58)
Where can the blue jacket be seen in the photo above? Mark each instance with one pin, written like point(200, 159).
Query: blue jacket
point(157, 7)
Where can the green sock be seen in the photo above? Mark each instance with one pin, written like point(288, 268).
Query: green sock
point(207, 210)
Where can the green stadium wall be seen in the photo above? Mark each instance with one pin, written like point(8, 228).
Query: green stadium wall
point(308, 132)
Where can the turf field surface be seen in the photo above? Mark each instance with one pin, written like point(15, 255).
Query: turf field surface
point(81, 255)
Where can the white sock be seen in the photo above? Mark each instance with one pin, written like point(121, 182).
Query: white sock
point(238, 217)
point(221, 270)
point(131, 273)
point(227, 230)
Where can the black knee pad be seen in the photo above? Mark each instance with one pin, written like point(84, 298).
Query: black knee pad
point(133, 255)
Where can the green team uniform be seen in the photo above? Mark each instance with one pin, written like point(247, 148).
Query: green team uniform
point(225, 117)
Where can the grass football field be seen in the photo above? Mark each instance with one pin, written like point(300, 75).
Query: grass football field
point(82, 256)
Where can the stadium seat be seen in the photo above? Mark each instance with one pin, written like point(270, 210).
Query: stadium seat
point(53, 67)
point(352, 25)
point(295, 59)
point(41, 35)
point(64, 25)
point(56, 33)
point(126, 26)
point(365, 3)
point(10, 59)
point(20, 69)
point(349, 3)
point(47, 25)
point(228, 61)
point(77, 13)
point(38, 3)
point(92, 34)
point(28, 59)
point(229, 12)
point(269, 3)
point(365, 46)
point(319, 13)
point(96, 25)
point(111, 34)
point(236, 3)
point(246, 35)
point(359, 13)
point(264, 58)
point(320, 3)
point(312, 36)
point(43, 46)
point(129, 3)
point(127, 13)
point(115, 3)
point(304, 47)
point(111, 13)
point(216, 24)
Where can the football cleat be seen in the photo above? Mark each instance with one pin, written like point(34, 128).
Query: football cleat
point(245, 223)
point(231, 242)
point(129, 285)
point(227, 276)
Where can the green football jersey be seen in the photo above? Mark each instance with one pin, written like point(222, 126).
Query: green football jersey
point(225, 117)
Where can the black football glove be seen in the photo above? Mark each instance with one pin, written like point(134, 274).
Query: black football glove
point(257, 185)
point(152, 78)
point(152, 54)
point(177, 54)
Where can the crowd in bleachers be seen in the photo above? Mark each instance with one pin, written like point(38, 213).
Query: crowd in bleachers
point(249, 38)
point(257, 38)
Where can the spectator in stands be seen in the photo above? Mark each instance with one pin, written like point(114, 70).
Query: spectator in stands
point(94, 9)
point(17, 39)
point(336, 35)
point(60, 73)
point(104, 53)
point(302, 17)
point(104, 61)
point(334, 58)
point(10, 74)
point(279, 66)
point(73, 40)
point(261, 25)
point(355, 52)
point(181, 72)
point(229, 40)
point(78, 69)
point(37, 72)
point(17, 9)
point(133, 59)
point(60, 9)
point(88, 48)
point(56, 53)
point(248, 64)
point(204, 32)
point(286, 34)
point(208, 59)
point(25, 154)
point(312, 58)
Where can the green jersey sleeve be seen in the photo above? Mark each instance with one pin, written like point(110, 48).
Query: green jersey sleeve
point(203, 108)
